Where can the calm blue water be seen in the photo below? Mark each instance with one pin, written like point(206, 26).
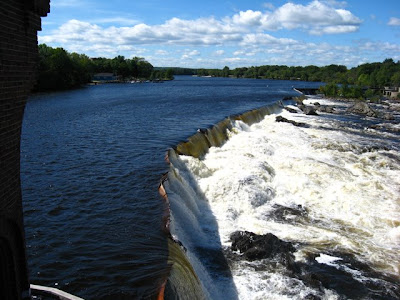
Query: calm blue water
point(91, 161)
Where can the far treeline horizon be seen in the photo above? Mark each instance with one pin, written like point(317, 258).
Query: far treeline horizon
point(58, 69)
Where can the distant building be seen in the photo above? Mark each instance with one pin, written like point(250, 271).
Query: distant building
point(391, 92)
point(105, 77)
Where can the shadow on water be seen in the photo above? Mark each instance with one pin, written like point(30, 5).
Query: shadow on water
point(199, 246)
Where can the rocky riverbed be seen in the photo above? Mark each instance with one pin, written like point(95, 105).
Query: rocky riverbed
point(384, 115)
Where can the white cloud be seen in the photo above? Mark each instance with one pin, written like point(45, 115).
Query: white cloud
point(334, 29)
point(394, 21)
point(175, 31)
point(293, 53)
point(315, 17)
point(194, 53)
point(118, 20)
point(247, 33)
point(265, 39)
point(189, 54)
point(248, 18)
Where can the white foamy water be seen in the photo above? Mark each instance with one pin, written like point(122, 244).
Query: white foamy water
point(344, 181)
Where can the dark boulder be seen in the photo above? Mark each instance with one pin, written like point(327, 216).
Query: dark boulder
point(284, 120)
point(362, 108)
point(285, 214)
point(326, 109)
point(256, 247)
point(308, 110)
point(388, 116)
point(291, 110)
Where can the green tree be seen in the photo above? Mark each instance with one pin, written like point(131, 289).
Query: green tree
point(225, 72)
point(395, 79)
point(345, 91)
point(330, 90)
point(364, 80)
point(169, 74)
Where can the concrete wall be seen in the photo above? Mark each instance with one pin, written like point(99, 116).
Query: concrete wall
point(20, 21)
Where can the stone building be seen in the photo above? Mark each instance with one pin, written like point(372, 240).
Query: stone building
point(20, 21)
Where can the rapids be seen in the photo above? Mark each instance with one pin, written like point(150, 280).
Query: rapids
point(331, 188)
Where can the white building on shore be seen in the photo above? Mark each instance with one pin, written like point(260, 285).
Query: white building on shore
point(391, 92)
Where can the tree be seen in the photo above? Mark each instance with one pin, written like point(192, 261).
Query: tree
point(59, 69)
point(364, 80)
point(395, 79)
point(345, 91)
point(169, 74)
point(225, 72)
point(330, 90)
point(55, 69)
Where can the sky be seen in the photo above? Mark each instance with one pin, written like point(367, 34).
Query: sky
point(236, 33)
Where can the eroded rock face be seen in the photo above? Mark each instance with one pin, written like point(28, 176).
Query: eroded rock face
point(362, 108)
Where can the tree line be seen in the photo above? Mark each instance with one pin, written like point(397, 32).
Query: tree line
point(363, 81)
point(58, 69)
point(377, 74)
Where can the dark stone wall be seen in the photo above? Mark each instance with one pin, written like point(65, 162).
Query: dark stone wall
point(19, 23)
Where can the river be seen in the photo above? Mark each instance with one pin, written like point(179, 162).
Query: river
point(91, 162)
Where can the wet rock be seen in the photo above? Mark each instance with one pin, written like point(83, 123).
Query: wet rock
point(338, 278)
point(388, 116)
point(321, 275)
point(308, 110)
point(255, 247)
point(362, 108)
point(284, 213)
point(291, 110)
point(317, 104)
point(282, 119)
point(287, 259)
point(326, 109)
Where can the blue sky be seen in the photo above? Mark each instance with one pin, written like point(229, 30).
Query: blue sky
point(236, 33)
